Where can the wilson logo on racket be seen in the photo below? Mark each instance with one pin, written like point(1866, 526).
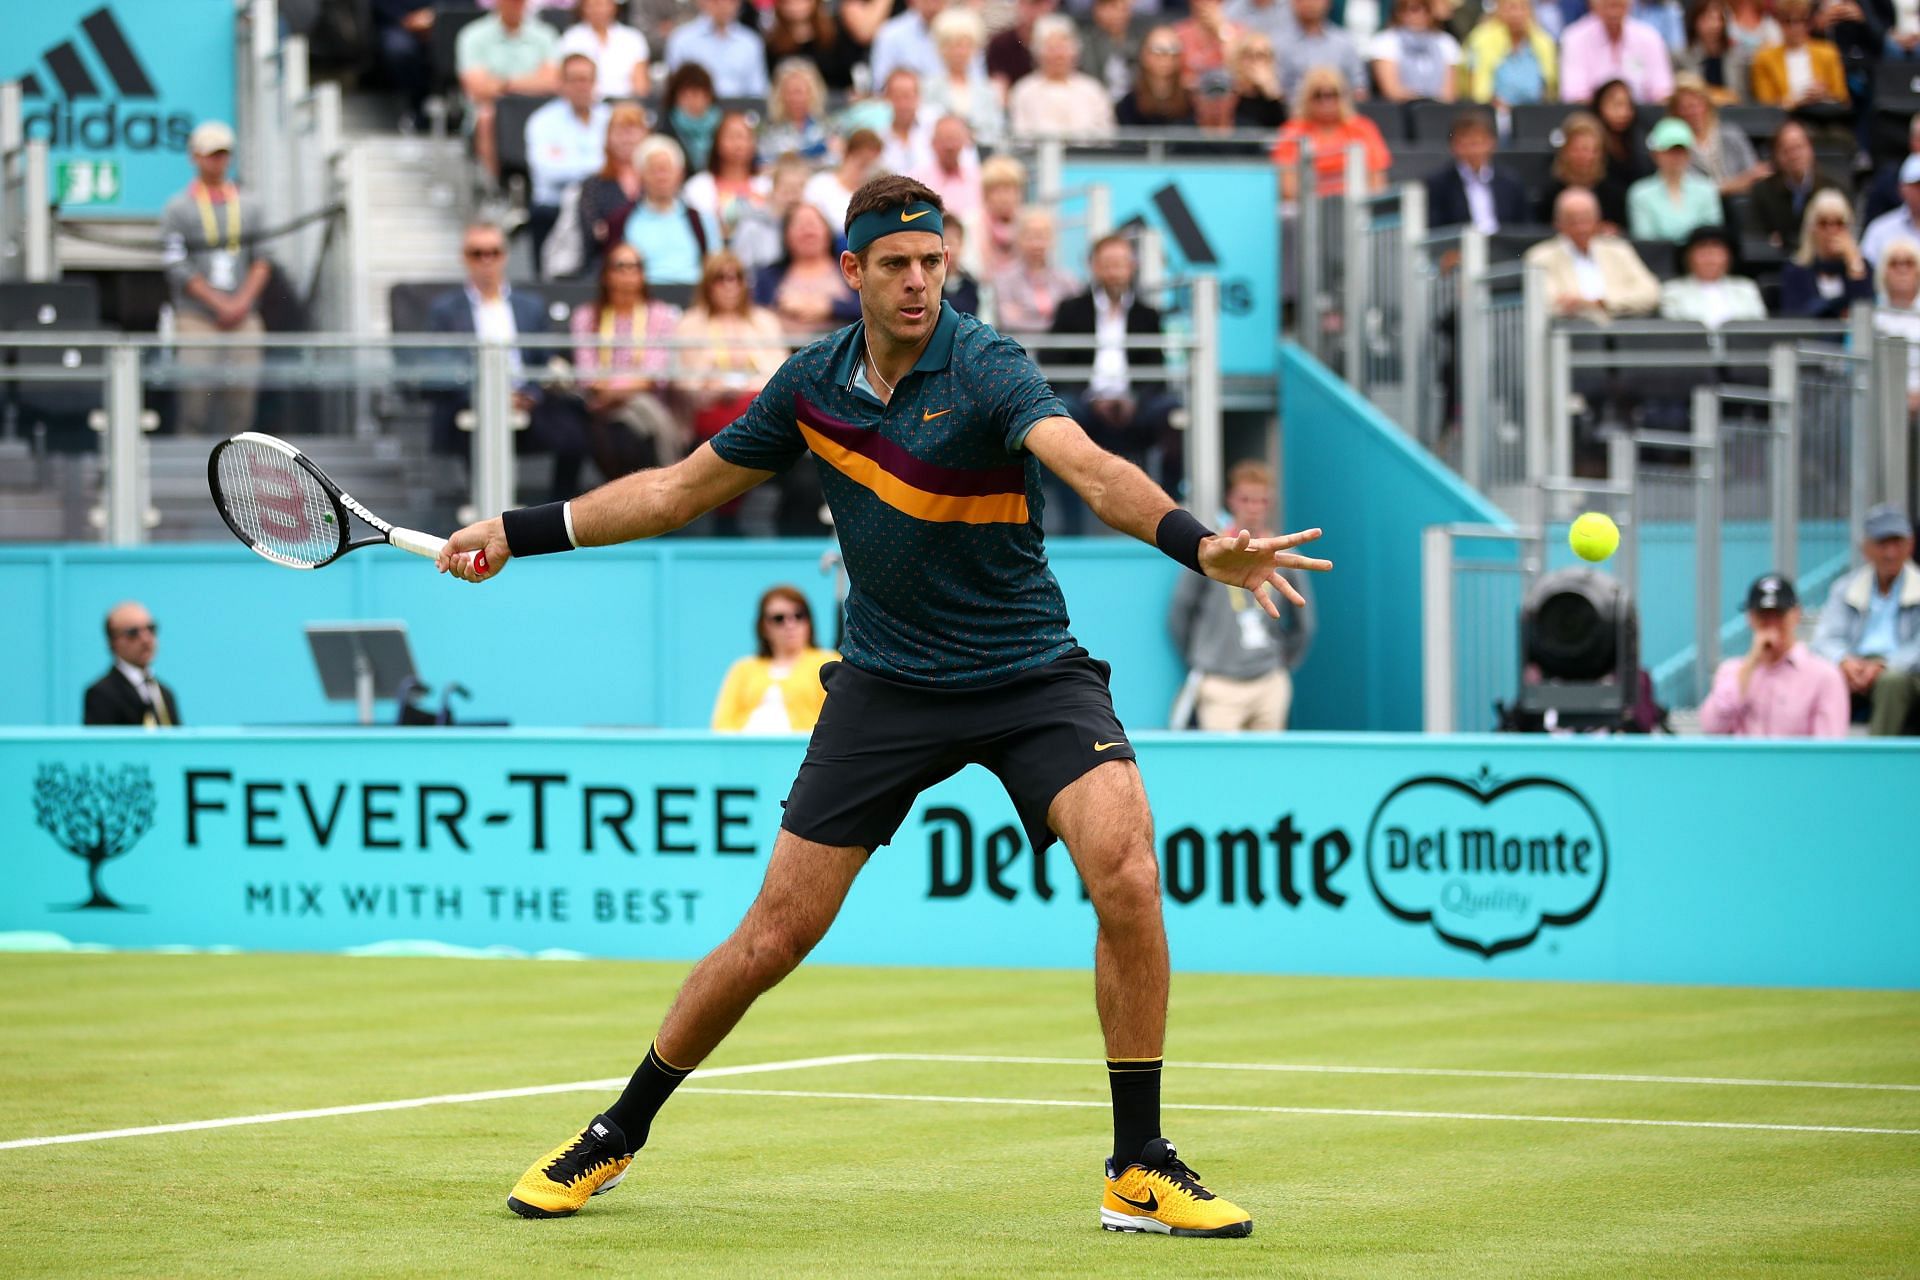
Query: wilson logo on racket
point(283, 506)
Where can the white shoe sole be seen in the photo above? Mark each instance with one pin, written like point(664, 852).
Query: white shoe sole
point(1112, 1220)
point(612, 1182)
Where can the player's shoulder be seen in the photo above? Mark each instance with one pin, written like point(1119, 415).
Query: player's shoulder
point(975, 341)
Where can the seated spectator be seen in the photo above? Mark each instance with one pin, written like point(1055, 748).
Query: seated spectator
point(1675, 200)
point(1607, 44)
point(906, 43)
point(1159, 97)
point(1827, 273)
point(1883, 194)
point(831, 190)
point(500, 53)
point(756, 237)
point(1315, 43)
point(1709, 56)
point(739, 347)
point(1780, 199)
point(1110, 44)
point(1622, 135)
point(622, 372)
point(1581, 161)
point(805, 288)
point(779, 690)
point(1026, 292)
point(1003, 192)
point(1705, 293)
point(566, 143)
point(1323, 116)
point(1750, 28)
point(1871, 625)
point(1009, 54)
point(955, 171)
point(403, 30)
point(1898, 224)
point(1800, 71)
point(618, 52)
point(609, 195)
point(730, 184)
point(832, 39)
point(1721, 151)
point(1473, 189)
point(672, 238)
point(1058, 99)
point(1204, 38)
point(1412, 60)
point(690, 114)
point(1781, 688)
point(487, 307)
point(1241, 661)
point(1123, 407)
point(1271, 18)
point(1257, 103)
point(909, 134)
point(129, 693)
point(796, 118)
point(961, 288)
point(1590, 274)
point(963, 87)
point(1511, 59)
point(1901, 23)
point(1898, 313)
point(733, 54)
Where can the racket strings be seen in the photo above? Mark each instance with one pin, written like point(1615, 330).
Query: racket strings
point(278, 505)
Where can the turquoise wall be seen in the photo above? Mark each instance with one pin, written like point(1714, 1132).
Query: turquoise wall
point(634, 635)
point(1354, 473)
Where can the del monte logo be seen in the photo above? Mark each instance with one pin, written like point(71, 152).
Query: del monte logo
point(1486, 863)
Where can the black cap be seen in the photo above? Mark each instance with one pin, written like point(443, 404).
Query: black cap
point(1769, 592)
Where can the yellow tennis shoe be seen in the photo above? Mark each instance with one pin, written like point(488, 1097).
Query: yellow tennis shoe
point(1159, 1193)
point(563, 1180)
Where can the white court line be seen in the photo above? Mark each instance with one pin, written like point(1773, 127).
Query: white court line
point(1318, 1069)
point(443, 1099)
point(1304, 1111)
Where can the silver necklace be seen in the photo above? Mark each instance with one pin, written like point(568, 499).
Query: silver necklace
point(873, 364)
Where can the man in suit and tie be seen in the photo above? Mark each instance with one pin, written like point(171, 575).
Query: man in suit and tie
point(1119, 408)
point(128, 694)
point(1473, 190)
point(491, 308)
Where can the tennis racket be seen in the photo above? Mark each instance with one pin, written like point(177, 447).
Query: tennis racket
point(283, 506)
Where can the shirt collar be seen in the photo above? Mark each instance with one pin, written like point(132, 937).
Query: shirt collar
point(474, 298)
point(937, 355)
point(135, 676)
point(1482, 176)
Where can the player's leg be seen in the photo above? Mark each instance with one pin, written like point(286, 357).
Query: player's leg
point(1104, 818)
point(804, 886)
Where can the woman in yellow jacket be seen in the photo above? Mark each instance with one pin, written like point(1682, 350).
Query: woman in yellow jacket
point(778, 691)
point(1800, 71)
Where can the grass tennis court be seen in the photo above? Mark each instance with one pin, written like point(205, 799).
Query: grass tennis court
point(918, 1177)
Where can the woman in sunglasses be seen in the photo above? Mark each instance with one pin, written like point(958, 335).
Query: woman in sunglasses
point(1159, 94)
point(622, 369)
point(1324, 117)
point(779, 690)
point(1828, 275)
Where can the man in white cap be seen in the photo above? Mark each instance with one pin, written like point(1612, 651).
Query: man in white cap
point(206, 238)
point(1903, 222)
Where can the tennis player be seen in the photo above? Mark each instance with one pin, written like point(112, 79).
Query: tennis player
point(931, 429)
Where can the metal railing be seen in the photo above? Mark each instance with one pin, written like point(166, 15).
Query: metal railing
point(26, 197)
point(324, 383)
point(289, 135)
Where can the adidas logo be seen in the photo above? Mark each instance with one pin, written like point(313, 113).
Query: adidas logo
point(70, 120)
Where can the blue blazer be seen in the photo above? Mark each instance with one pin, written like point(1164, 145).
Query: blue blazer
point(451, 312)
point(1447, 198)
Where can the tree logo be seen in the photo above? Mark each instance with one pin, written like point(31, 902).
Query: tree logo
point(96, 814)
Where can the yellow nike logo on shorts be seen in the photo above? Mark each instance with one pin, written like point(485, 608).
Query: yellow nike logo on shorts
point(1103, 746)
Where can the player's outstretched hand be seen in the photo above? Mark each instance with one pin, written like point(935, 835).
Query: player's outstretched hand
point(1242, 560)
point(489, 537)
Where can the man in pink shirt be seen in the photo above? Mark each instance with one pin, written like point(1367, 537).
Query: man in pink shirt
point(1608, 45)
point(1781, 689)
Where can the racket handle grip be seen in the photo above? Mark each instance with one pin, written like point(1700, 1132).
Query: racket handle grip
point(426, 544)
point(479, 561)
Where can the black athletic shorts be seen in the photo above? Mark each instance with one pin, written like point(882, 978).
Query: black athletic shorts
point(880, 743)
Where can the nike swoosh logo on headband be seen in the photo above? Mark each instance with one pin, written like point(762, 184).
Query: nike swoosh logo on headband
point(909, 217)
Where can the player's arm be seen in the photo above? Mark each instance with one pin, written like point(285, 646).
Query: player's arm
point(641, 505)
point(1124, 497)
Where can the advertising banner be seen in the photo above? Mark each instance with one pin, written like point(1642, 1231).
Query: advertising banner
point(1214, 217)
point(115, 87)
point(1676, 861)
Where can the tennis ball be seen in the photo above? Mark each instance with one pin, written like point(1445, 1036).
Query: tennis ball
point(1594, 537)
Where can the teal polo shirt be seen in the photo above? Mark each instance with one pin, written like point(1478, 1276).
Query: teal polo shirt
point(936, 503)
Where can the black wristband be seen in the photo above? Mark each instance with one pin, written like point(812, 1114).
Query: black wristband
point(1179, 537)
point(537, 531)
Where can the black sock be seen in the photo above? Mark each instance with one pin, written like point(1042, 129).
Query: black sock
point(652, 1084)
point(1136, 1107)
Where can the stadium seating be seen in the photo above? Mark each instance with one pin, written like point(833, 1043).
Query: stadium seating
point(56, 408)
point(1430, 122)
